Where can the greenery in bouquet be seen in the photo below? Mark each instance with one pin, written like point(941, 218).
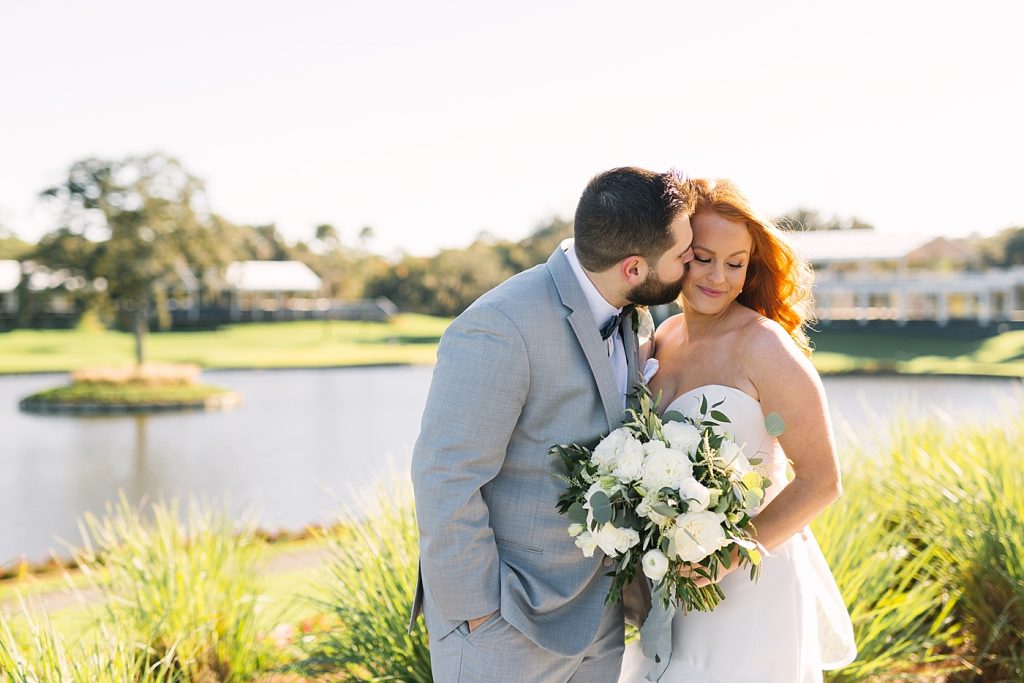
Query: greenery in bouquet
point(670, 495)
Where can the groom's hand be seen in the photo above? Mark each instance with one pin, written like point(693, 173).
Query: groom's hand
point(473, 623)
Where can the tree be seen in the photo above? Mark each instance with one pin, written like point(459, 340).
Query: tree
point(328, 235)
point(152, 226)
point(802, 218)
point(1013, 251)
point(11, 247)
point(366, 235)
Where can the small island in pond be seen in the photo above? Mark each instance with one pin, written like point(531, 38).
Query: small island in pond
point(150, 387)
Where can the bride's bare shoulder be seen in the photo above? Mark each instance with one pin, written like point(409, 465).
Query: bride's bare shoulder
point(671, 332)
point(767, 348)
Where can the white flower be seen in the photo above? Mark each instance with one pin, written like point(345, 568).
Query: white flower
point(608, 484)
point(576, 529)
point(630, 464)
point(615, 541)
point(664, 466)
point(655, 564)
point(734, 458)
point(587, 542)
point(697, 535)
point(645, 508)
point(696, 495)
point(617, 447)
point(682, 436)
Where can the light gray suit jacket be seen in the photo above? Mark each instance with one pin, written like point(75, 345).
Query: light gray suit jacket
point(522, 369)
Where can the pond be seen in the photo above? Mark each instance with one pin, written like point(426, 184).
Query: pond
point(303, 440)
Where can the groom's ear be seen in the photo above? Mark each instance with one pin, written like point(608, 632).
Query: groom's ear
point(633, 269)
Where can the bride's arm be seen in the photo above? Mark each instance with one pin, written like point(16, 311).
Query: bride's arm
point(788, 384)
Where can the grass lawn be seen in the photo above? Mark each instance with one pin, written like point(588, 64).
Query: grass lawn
point(406, 339)
point(918, 354)
point(411, 338)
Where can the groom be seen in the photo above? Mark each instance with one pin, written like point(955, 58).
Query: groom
point(547, 357)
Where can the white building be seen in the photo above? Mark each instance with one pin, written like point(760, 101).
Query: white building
point(864, 275)
point(10, 278)
point(271, 289)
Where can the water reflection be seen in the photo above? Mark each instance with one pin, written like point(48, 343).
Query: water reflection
point(299, 440)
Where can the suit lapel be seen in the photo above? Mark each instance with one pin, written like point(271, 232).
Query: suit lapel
point(581, 319)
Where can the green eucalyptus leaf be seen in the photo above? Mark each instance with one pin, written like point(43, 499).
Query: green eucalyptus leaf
point(576, 513)
point(673, 416)
point(703, 404)
point(774, 424)
point(664, 510)
point(720, 416)
point(601, 506)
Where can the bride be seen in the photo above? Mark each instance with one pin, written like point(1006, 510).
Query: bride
point(746, 296)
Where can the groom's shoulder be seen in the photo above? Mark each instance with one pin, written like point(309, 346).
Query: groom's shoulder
point(524, 294)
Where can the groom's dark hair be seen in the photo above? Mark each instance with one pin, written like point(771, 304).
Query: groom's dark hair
point(627, 211)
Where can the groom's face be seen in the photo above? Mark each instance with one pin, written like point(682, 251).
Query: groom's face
point(665, 279)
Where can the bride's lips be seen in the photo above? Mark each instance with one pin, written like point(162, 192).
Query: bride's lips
point(713, 293)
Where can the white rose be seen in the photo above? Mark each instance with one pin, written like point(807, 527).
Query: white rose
point(682, 436)
point(618, 446)
point(697, 535)
point(696, 495)
point(615, 541)
point(655, 564)
point(587, 542)
point(664, 466)
point(645, 508)
point(576, 529)
point(630, 464)
point(734, 458)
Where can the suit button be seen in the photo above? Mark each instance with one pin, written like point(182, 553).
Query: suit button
point(608, 562)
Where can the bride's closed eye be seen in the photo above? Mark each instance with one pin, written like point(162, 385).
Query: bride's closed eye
point(708, 260)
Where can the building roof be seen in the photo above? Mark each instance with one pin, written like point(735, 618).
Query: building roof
point(837, 246)
point(10, 275)
point(272, 276)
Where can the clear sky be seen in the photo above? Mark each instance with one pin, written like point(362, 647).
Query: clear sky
point(433, 121)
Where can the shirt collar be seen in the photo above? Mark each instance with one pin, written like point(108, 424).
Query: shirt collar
point(599, 306)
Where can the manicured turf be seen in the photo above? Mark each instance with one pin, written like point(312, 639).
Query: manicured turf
point(413, 339)
point(406, 339)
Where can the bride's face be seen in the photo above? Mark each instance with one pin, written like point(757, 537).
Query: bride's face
point(721, 251)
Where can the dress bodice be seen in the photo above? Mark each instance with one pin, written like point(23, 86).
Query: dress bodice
point(746, 427)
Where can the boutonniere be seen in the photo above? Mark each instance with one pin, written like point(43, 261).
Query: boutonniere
point(643, 323)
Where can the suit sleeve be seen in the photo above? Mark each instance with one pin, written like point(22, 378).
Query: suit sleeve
point(477, 393)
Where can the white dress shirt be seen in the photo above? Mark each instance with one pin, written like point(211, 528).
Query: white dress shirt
point(603, 312)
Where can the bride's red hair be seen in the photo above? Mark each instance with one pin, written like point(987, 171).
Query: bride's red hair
point(778, 283)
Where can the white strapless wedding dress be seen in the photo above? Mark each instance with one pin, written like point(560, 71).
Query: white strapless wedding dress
point(785, 628)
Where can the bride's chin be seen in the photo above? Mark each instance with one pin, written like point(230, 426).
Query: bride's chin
point(703, 307)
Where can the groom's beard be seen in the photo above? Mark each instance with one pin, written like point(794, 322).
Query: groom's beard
point(655, 292)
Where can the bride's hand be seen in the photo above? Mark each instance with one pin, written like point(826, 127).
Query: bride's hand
point(701, 581)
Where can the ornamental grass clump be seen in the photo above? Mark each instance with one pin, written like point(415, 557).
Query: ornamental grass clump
point(32, 651)
point(373, 578)
point(899, 595)
point(180, 586)
point(975, 511)
point(948, 504)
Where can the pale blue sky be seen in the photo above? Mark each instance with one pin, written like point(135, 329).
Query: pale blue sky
point(434, 121)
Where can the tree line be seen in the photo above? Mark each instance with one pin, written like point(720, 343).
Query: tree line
point(133, 229)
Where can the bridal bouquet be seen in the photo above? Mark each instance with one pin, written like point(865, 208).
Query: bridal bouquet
point(670, 494)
